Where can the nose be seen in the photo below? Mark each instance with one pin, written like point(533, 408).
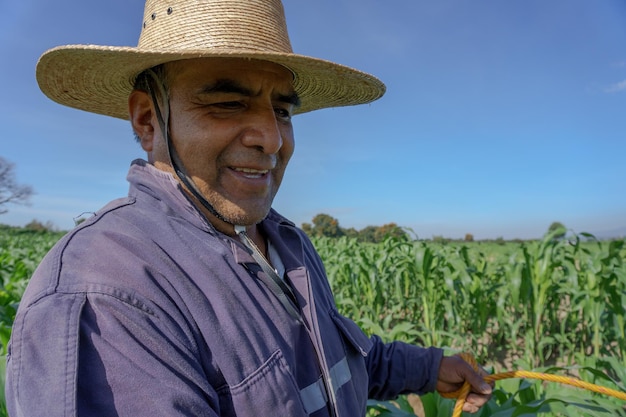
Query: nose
point(263, 131)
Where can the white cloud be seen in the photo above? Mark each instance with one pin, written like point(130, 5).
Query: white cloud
point(616, 88)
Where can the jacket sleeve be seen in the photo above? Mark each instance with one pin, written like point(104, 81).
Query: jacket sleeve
point(98, 354)
point(399, 368)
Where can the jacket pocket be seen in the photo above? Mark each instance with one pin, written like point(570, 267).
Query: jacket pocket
point(270, 390)
point(353, 333)
point(352, 396)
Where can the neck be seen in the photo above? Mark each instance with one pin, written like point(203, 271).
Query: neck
point(252, 231)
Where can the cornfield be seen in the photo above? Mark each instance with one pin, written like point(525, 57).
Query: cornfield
point(20, 253)
point(555, 305)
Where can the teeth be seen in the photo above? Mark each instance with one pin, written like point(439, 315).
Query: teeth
point(252, 173)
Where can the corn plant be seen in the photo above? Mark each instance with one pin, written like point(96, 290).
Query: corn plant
point(532, 304)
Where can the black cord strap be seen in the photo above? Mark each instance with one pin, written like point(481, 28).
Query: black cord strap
point(175, 161)
point(271, 279)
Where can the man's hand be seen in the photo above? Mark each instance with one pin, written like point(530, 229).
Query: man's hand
point(453, 372)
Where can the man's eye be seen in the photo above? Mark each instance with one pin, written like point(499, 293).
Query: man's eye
point(228, 105)
point(283, 114)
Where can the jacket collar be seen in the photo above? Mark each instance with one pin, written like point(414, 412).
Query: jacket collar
point(166, 191)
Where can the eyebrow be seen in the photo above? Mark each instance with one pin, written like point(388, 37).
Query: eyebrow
point(226, 85)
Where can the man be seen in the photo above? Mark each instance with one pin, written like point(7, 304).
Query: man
point(192, 297)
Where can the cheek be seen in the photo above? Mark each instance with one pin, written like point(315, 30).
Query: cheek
point(194, 146)
point(159, 151)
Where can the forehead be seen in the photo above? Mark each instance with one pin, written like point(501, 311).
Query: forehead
point(249, 72)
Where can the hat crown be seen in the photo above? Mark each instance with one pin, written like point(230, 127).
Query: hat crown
point(239, 25)
point(100, 78)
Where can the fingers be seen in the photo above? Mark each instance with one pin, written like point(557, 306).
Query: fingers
point(454, 371)
point(480, 391)
point(475, 377)
point(474, 402)
point(479, 385)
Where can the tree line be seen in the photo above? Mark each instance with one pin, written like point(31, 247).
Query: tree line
point(326, 225)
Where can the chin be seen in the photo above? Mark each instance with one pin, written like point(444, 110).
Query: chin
point(246, 217)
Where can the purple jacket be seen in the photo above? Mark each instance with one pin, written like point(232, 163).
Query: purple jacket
point(147, 310)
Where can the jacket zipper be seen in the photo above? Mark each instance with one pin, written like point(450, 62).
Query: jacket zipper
point(321, 361)
point(290, 306)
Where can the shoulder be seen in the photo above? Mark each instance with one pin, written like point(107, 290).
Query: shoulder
point(102, 252)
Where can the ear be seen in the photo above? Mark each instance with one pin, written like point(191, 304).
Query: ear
point(142, 118)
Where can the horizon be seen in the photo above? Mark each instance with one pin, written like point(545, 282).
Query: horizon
point(617, 233)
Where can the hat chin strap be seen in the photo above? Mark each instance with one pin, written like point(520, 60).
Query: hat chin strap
point(271, 279)
point(175, 161)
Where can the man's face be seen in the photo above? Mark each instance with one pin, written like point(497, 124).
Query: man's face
point(230, 122)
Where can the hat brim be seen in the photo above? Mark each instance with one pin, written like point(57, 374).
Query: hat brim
point(99, 79)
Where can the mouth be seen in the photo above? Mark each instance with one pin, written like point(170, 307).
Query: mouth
point(251, 173)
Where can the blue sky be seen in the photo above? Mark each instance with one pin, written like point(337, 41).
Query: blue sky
point(500, 117)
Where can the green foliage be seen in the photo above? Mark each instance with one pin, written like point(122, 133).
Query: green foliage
point(21, 250)
point(557, 230)
point(515, 305)
point(522, 305)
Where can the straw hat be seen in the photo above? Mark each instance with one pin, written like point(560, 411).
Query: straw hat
point(99, 79)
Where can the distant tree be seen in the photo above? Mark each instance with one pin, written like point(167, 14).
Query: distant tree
point(440, 239)
point(10, 190)
point(469, 237)
point(325, 225)
point(37, 226)
point(368, 234)
point(389, 230)
point(559, 229)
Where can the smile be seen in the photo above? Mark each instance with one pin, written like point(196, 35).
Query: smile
point(251, 173)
